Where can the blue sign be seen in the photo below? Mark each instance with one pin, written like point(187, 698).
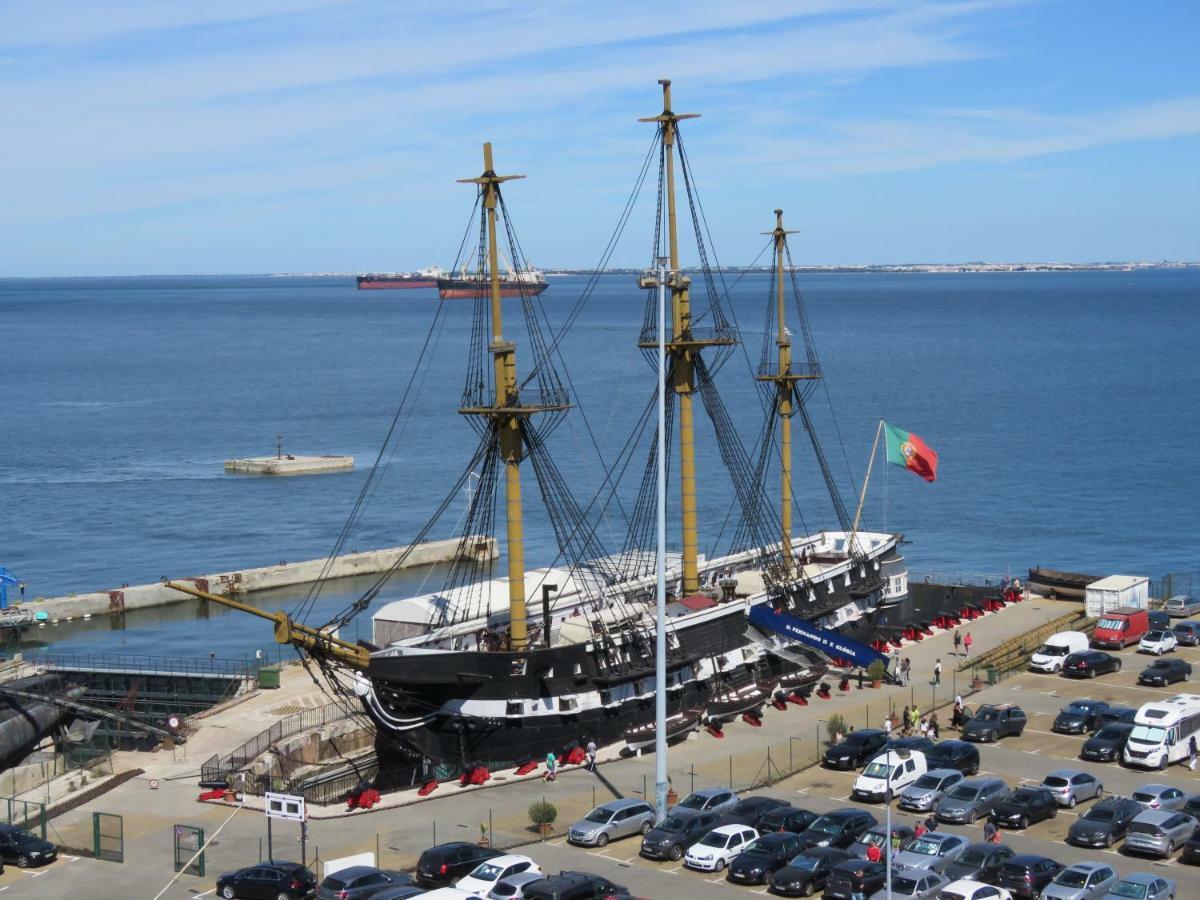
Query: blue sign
point(832, 644)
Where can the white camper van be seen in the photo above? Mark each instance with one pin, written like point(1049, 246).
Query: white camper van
point(1162, 732)
point(1049, 657)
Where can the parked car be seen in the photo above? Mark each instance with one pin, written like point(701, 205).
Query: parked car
point(1107, 743)
point(934, 850)
point(913, 884)
point(770, 852)
point(359, 882)
point(272, 879)
point(1140, 886)
point(569, 885)
point(855, 750)
point(615, 819)
point(513, 887)
point(749, 810)
point(19, 846)
point(786, 818)
point(1162, 672)
point(1187, 633)
point(924, 793)
point(1079, 716)
point(1024, 806)
point(714, 800)
point(953, 754)
point(1049, 657)
point(1181, 606)
point(1192, 807)
point(1160, 796)
point(888, 774)
point(1158, 642)
point(1117, 714)
point(838, 828)
point(970, 800)
point(1191, 850)
point(713, 852)
point(444, 864)
point(980, 861)
point(912, 743)
point(1026, 874)
point(488, 873)
point(1159, 831)
point(1157, 619)
point(1121, 627)
point(1081, 881)
point(993, 722)
point(1104, 823)
point(672, 836)
point(1069, 786)
point(1090, 663)
point(408, 891)
point(806, 873)
point(854, 877)
point(966, 889)
point(878, 836)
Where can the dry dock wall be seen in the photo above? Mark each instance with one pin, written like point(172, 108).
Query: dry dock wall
point(145, 596)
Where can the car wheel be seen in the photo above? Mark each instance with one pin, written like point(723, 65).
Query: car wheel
point(1071, 802)
point(1117, 666)
point(971, 817)
point(720, 866)
point(1056, 669)
point(1091, 673)
point(974, 770)
point(807, 890)
point(1170, 849)
point(646, 826)
point(1108, 841)
point(283, 895)
point(676, 853)
point(602, 840)
point(1022, 823)
point(23, 862)
point(228, 892)
point(1054, 811)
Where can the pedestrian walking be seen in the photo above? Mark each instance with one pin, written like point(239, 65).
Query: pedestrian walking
point(1193, 752)
point(924, 726)
point(967, 642)
point(905, 671)
point(956, 717)
point(551, 766)
point(591, 755)
point(919, 829)
point(931, 823)
point(873, 853)
point(904, 721)
point(887, 725)
point(991, 833)
point(937, 671)
point(933, 727)
point(957, 643)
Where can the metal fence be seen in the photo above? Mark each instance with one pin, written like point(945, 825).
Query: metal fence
point(121, 662)
point(216, 769)
point(1176, 583)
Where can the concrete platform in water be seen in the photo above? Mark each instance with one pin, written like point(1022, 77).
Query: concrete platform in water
point(289, 465)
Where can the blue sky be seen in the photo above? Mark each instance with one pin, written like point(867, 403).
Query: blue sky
point(317, 135)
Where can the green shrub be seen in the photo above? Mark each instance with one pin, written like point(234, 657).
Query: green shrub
point(835, 724)
point(542, 813)
point(876, 670)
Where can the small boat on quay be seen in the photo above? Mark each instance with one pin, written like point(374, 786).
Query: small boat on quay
point(1064, 585)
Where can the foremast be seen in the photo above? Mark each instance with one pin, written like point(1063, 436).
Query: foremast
point(684, 347)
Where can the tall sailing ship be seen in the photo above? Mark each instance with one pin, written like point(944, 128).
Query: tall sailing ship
point(497, 671)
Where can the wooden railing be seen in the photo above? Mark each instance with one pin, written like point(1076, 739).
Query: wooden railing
point(1014, 653)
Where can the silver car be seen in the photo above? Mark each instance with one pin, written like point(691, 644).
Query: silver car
point(913, 884)
point(1082, 881)
point(615, 819)
point(1140, 886)
point(934, 850)
point(1160, 796)
point(1069, 786)
point(971, 799)
point(716, 800)
point(1159, 831)
point(924, 793)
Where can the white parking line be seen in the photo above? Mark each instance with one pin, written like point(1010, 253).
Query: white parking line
point(716, 880)
point(802, 791)
point(603, 853)
point(1032, 752)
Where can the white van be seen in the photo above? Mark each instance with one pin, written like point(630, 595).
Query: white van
point(1049, 657)
point(874, 783)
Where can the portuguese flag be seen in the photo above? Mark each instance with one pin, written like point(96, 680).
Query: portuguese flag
point(908, 451)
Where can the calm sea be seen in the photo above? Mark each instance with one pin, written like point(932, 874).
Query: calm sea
point(1063, 407)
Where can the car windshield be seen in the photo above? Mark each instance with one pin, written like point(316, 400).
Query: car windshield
point(1071, 878)
point(825, 825)
point(973, 857)
point(805, 863)
point(988, 715)
point(873, 839)
point(712, 839)
point(1115, 732)
point(1099, 815)
point(673, 823)
point(1024, 795)
point(1052, 650)
point(1129, 889)
point(927, 781)
point(877, 770)
point(1155, 635)
point(487, 871)
point(693, 801)
point(1161, 664)
point(757, 849)
point(924, 846)
point(951, 895)
point(1112, 624)
point(1149, 734)
point(599, 815)
point(1077, 709)
point(962, 792)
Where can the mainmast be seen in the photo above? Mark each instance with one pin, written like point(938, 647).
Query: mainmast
point(683, 348)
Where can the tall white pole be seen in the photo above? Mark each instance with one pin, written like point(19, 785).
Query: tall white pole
point(887, 842)
point(660, 646)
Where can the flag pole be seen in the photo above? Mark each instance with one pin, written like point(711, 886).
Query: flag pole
point(862, 498)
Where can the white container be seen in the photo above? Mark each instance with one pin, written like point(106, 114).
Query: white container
point(1116, 591)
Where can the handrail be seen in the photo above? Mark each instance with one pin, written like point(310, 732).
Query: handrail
point(216, 768)
point(1022, 647)
point(167, 665)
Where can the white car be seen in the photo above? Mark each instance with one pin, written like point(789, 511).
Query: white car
point(1158, 642)
point(966, 889)
point(713, 852)
point(484, 876)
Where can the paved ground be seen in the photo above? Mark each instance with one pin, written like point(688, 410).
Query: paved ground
point(790, 738)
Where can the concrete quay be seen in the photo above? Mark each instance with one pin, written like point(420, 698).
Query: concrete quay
point(289, 465)
point(245, 581)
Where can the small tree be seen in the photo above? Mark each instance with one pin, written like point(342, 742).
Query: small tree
point(876, 670)
point(542, 813)
point(835, 726)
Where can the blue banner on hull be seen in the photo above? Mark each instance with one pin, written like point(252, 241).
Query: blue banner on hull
point(830, 643)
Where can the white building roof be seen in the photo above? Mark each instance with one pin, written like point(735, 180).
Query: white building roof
point(1117, 582)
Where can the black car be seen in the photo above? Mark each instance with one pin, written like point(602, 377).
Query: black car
point(953, 755)
point(980, 862)
point(1115, 715)
point(1090, 663)
point(569, 885)
point(768, 853)
point(671, 838)
point(1192, 807)
point(1023, 806)
point(444, 864)
point(1025, 875)
point(1079, 716)
point(1158, 620)
point(838, 828)
point(916, 742)
point(19, 846)
point(855, 750)
point(1162, 672)
point(855, 877)
point(268, 881)
point(1191, 850)
point(1107, 743)
point(750, 810)
point(806, 873)
point(1104, 823)
point(994, 722)
point(360, 882)
point(786, 818)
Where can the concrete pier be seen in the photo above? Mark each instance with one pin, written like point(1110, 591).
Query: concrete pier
point(245, 581)
point(289, 465)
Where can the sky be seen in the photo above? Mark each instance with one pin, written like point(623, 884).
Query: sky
point(254, 136)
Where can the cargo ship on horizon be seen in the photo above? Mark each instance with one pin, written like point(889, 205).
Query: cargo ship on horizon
point(513, 283)
point(423, 278)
